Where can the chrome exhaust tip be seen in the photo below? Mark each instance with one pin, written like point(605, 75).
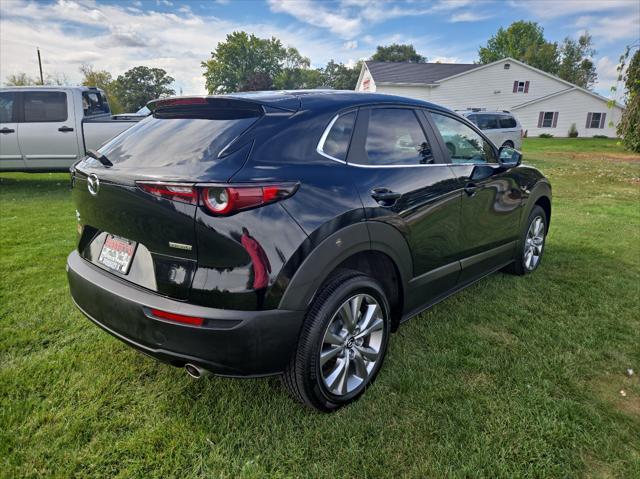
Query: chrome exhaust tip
point(196, 372)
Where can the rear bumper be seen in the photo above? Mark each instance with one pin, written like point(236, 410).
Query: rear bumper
point(230, 343)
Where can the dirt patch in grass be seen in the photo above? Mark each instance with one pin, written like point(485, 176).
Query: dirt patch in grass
point(619, 391)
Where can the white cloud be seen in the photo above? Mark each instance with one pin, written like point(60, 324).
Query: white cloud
point(317, 15)
point(115, 38)
point(561, 8)
point(608, 29)
point(469, 17)
point(350, 45)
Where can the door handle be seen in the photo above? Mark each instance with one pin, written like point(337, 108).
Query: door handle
point(7, 130)
point(471, 188)
point(384, 196)
point(65, 129)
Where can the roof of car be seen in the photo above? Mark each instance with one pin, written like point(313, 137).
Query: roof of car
point(338, 98)
point(415, 73)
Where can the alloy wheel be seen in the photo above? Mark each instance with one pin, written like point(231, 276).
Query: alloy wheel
point(534, 243)
point(352, 344)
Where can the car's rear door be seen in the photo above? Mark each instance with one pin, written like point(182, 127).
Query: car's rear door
point(491, 197)
point(46, 134)
point(10, 155)
point(405, 181)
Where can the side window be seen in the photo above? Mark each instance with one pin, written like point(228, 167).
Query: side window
point(463, 144)
point(507, 122)
point(93, 103)
point(45, 106)
point(487, 122)
point(395, 137)
point(7, 107)
point(336, 144)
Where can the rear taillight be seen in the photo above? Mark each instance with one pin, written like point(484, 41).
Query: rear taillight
point(183, 192)
point(221, 200)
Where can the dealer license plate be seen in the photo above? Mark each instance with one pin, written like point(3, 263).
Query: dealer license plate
point(117, 253)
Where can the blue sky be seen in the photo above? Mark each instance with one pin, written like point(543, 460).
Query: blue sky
point(178, 35)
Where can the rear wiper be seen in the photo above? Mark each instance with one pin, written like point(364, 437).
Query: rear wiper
point(100, 157)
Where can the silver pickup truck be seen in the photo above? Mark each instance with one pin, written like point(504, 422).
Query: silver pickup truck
point(49, 128)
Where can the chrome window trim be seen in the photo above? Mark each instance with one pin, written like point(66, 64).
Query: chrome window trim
point(324, 136)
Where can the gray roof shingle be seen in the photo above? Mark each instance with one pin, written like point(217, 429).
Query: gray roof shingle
point(421, 73)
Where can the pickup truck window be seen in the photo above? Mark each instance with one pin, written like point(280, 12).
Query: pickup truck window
point(45, 106)
point(94, 103)
point(7, 107)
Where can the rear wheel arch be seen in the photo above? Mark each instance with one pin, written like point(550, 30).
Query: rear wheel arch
point(385, 257)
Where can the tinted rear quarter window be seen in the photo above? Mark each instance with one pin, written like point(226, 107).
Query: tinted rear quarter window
point(94, 103)
point(487, 122)
point(7, 107)
point(45, 106)
point(395, 137)
point(337, 141)
point(507, 122)
point(174, 141)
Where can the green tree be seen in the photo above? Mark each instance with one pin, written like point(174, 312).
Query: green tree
point(20, 79)
point(576, 65)
point(341, 77)
point(139, 85)
point(629, 127)
point(523, 41)
point(247, 63)
point(397, 53)
point(102, 79)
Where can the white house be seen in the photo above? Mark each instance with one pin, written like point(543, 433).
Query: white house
point(542, 102)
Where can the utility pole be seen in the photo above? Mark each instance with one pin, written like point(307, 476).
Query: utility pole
point(40, 65)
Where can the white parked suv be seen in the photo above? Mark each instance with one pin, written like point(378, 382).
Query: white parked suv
point(502, 128)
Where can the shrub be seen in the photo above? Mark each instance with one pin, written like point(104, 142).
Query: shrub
point(545, 135)
point(629, 126)
point(573, 131)
point(604, 137)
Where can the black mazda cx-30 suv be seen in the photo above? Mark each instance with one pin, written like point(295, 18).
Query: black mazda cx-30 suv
point(291, 232)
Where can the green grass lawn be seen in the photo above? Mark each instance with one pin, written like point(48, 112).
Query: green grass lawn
point(513, 377)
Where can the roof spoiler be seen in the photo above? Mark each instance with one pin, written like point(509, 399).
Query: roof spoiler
point(248, 104)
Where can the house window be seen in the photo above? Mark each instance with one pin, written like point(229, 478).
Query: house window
point(548, 119)
point(507, 66)
point(520, 86)
point(596, 120)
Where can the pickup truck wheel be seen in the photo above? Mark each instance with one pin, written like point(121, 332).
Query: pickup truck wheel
point(342, 344)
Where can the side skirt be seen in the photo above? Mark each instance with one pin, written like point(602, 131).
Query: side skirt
point(442, 297)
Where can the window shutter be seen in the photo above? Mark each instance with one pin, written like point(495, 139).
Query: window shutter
point(602, 118)
point(526, 87)
point(540, 118)
point(589, 115)
point(555, 118)
point(515, 86)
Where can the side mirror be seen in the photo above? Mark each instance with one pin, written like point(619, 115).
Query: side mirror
point(509, 157)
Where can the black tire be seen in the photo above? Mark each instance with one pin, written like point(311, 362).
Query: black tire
point(508, 144)
point(302, 377)
point(519, 266)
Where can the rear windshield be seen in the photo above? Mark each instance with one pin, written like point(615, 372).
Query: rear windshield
point(177, 142)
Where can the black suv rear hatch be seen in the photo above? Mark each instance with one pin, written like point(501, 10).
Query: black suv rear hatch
point(146, 239)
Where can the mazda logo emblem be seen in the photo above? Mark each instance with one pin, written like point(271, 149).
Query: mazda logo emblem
point(93, 184)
